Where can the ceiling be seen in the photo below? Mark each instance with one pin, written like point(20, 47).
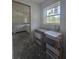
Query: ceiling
point(37, 1)
point(41, 1)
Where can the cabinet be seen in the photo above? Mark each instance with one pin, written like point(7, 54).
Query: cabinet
point(54, 44)
point(51, 43)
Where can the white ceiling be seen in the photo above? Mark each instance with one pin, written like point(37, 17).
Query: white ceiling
point(37, 1)
point(41, 1)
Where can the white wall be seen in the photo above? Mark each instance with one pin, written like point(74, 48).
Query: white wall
point(48, 2)
point(63, 23)
point(35, 13)
point(42, 6)
point(62, 18)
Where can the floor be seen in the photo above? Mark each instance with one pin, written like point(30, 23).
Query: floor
point(25, 48)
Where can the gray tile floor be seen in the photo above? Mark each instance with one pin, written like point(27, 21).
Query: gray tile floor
point(25, 48)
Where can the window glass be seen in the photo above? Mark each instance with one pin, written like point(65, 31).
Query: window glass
point(49, 12)
point(58, 9)
point(52, 14)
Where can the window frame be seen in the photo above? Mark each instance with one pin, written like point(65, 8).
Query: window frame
point(45, 13)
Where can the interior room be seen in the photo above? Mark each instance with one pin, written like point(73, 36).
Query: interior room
point(39, 29)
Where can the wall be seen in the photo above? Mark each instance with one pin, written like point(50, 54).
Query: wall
point(62, 20)
point(42, 6)
point(20, 13)
point(63, 24)
point(62, 17)
point(35, 13)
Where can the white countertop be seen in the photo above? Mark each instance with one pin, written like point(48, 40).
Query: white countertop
point(51, 33)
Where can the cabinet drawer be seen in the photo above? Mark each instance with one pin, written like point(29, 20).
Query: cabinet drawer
point(51, 55)
point(55, 51)
point(53, 43)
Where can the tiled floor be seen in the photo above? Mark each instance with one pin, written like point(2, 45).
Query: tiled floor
point(25, 48)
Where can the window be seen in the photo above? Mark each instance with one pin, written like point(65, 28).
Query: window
point(52, 14)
